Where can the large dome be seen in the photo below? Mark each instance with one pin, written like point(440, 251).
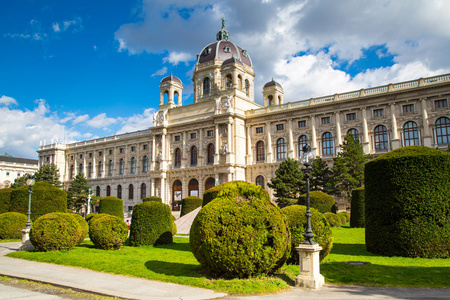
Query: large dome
point(223, 49)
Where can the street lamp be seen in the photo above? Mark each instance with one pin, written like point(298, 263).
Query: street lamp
point(307, 158)
point(30, 183)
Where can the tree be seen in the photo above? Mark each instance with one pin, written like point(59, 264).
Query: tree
point(348, 167)
point(48, 173)
point(20, 181)
point(78, 191)
point(288, 182)
point(319, 175)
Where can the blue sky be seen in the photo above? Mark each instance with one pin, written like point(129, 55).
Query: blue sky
point(76, 70)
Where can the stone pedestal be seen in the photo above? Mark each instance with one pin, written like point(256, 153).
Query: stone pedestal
point(309, 276)
point(26, 243)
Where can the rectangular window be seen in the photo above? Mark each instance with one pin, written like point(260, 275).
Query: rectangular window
point(7, 173)
point(259, 129)
point(351, 116)
point(280, 127)
point(81, 156)
point(177, 138)
point(121, 150)
point(302, 123)
point(145, 147)
point(110, 152)
point(18, 174)
point(90, 155)
point(326, 120)
point(100, 153)
point(48, 158)
point(71, 157)
point(133, 148)
point(193, 136)
point(210, 133)
point(378, 112)
point(408, 108)
point(440, 103)
point(130, 208)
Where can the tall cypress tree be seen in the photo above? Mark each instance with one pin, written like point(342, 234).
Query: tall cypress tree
point(288, 182)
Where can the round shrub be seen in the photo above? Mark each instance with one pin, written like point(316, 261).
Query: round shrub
point(333, 219)
point(45, 199)
point(342, 217)
point(108, 232)
point(345, 218)
point(90, 216)
point(96, 216)
point(407, 207)
point(296, 221)
point(111, 205)
point(83, 227)
point(151, 224)
point(152, 198)
point(5, 200)
point(318, 200)
point(11, 223)
point(212, 193)
point(55, 231)
point(357, 218)
point(173, 225)
point(189, 204)
point(240, 234)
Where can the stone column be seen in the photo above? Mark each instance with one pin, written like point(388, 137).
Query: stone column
point(229, 151)
point(249, 145)
point(216, 146)
point(365, 137)
point(291, 151)
point(427, 137)
point(395, 141)
point(163, 191)
point(269, 143)
point(314, 148)
point(338, 131)
point(153, 153)
point(163, 163)
point(184, 152)
point(200, 154)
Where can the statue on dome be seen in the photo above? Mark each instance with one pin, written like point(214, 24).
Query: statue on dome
point(223, 22)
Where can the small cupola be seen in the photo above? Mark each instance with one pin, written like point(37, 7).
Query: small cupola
point(273, 93)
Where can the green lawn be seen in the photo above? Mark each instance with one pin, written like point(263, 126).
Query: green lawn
point(175, 263)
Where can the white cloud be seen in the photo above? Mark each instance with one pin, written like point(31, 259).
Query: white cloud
point(137, 122)
point(160, 72)
point(101, 121)
point(55, 27)
point(5, 100)
point(80, 119)
point(176, 57)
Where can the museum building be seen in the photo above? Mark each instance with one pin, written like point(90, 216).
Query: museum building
point(225, 135)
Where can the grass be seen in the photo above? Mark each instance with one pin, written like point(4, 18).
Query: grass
point(175, 263)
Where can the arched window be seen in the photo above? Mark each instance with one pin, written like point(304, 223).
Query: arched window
point(121, 166)
point(193, 187)
point(210, 154)
point(260, 181)
point(89, 170)
point(302, 141)
point(260, 151)
point(327, 144)
point(228, 81)
point(194, 155)
point(177, 158)
point(443, 130)
point(133, 166)
point(110, 167)
point(130, 191)
point(145, 164)
point(81, 170)
point(97, 191)
point(270, 100)
point(71, 172)
point(240, 82)
point(381, 137)
point(206, 86)
point(247, 87)
point(119, 191)
point(143, 191)
point(411, 134)
point(108, 191)
point(100, 169)
point(210, 182)
point(281, 149)
point(355, 133)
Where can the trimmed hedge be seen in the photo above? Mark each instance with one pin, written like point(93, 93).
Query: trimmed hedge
point(346, 216)
point(333, 219)
point(152, 198)
point(45, 199)
point(111, 205)
point(173, 225)
point(5, 200)
point(55, 231)
point(357, 218)
point(151, 224)
point(242, 234)
point(189, 204)
point(84, 227)
point(108, 232)
point(213, 192)
point(11, 223)
point(319, 200)
point(407, 207)
point(296, 221)
point(90, 216)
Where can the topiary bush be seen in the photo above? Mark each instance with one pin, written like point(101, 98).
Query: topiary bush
point(333, 219)
point(189, 204)
point(357, 218)
point(5, 200)
point(96, 216)
point(296, 221)
point(407, 203)
point(213, 192)
point(55, 231)
point(11, 223)
point(108, 232)
point(241, 233)
point(342, 217)
point(111, 205)
point(173, 226)
point(152, 198)
point(345, 216)
point(90, 216)
point(319, 200)
point(84, 227)
point(45, 199)
point(151, 224)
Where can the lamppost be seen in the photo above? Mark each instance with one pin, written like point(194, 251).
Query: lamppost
point(308, 250)
point(26, 243)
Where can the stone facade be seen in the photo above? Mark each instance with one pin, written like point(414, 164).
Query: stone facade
point(225, 135)
point(15, 167)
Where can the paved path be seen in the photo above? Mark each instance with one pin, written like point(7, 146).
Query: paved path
point(136, 288)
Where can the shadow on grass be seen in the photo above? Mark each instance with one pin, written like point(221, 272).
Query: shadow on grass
point(351, 249)
point(176, 246)
point(174, 269)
